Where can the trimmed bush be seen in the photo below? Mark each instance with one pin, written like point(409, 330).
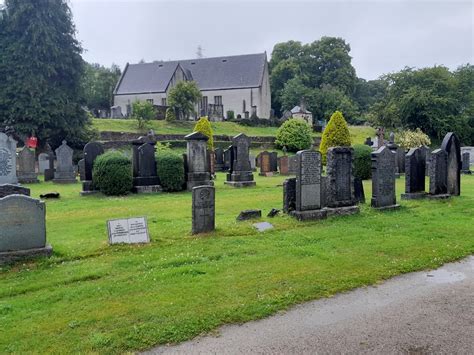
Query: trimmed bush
point(204, 126)
point(294, 134)
point(336, 134)
point(143, 112)
point(170, 166)
point(362, 161)
point(170, 115)
point(112, 173)
point(412, 139)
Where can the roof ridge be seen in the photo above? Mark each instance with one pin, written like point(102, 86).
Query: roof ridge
point(199, 59)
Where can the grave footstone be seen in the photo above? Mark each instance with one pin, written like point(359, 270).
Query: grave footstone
point(240, 174)
point(438, 174)
point(204, 211)
point(27, 166)
point(466, 164)
point(43, 162)
point(198, 167)
point(249, 214)
point(12, 189)
point(7, 160)
point(452, 147)
point(289, 195)
point(128, 231)
point(383, 179)
point(262, 226)
point(64, 173)
point(22, 228)
point(415, 165)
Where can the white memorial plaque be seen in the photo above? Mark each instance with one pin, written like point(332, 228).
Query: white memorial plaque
point(129, 231)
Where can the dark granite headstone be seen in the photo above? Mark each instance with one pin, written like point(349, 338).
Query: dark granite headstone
point(27, 166)
point(289, 195)
point(219, 155)
point(146, 176)
point(439, 174)
point(340, 173)
point(452, 147)
point(466, 164)
point(10, 189)
point(228, 158)
point(91, 151)
point(240, 174)
point(64, 173)
point(415, 165)
point(82, 169)
point(203, 209)
point(383, 179)
point(400, 158)
point(427, 152)
point(49, 172)
point(274, 162)
point(7, 160)
point(22, 228)
point(359, 194)
point(198, 167)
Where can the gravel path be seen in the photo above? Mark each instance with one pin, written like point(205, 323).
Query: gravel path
point(418, 313)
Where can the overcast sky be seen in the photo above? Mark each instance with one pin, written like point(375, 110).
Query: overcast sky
point(384, 35)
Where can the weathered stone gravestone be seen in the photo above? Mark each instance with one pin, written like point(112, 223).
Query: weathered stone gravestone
point(400, 158)
point(427, 152)
point(359, 194)
point(198, 167)
point(293, 164)
point(283, 165)
point(228, 158)
point(240, 173)
point(129, 231)
point(452, 147)
point(49, 172)
point(219, 155)
point(466, 164)
point(81, 165)
point(7, 160)
point(11, 189)
point(340, 174)
point(438, 174)
point(91, 151)
point(43, 162)
point(145, 175)
point(383, 179)
point(253, 161)
point(204, 210)
point(265, 165)
point(394, 148)
point(22, 228)
point(27, 166)
point(289, 195)
point(415, 165)
point(308, 186)
point(64, 173)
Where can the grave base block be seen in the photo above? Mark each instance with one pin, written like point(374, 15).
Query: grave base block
point(240, 183)
point(466, 172)
point(413, 196)
point(309, 215)
point(342, 211)
point(271, 173)
point(64, 181)
point(9, 257)
point(438, 197)
point(387, 208)
point(28, 180)
point(150, 189)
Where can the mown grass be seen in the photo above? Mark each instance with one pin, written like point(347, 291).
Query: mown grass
point(91, 297)
point(358, 133)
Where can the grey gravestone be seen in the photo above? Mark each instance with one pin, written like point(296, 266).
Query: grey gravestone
point(91, 151)
point(82, 169)
point(289, 195)
point(146, 179)
point(466, 164)
point(415, 165)
point(129, 231)
point(204, 209)
point(383, 179)
point(452, 147)
point(274, 162)
point(228, 159)
point(22, 228)
point(10, 189)
point(49, 172)
point(27, 166)
point(401, 160)
point(253, 165)
point(439, 174)
point(293, 164)
point(7, 160)
point(219, 155)
point(64, 173)
point(240, 174)
point(394, 148)
point(359, 194)
point(427, 152)
point(198, 167)
point(43, 162)
point(262, 226)
point(340, 168)
point(249, 214)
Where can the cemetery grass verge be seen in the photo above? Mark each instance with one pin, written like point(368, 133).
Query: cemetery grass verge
point(90, 297)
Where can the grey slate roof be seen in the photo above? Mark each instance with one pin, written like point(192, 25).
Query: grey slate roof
point(232, 72)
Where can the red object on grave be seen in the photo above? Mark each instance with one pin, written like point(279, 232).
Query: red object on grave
point(32, 142)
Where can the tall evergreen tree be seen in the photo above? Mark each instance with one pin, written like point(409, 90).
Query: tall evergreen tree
point(40, 70)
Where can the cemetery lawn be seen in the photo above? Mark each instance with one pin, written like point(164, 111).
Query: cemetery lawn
point(91, 297)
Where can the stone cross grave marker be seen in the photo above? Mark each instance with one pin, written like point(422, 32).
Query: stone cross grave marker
point(27, 166)
point(383, 179)
point(7, 160)
point(204, 210)
point(129, 231)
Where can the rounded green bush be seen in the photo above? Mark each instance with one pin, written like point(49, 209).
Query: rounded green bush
point(170, 166)
point(294, 134)
point(362, 161)
point(112, 173)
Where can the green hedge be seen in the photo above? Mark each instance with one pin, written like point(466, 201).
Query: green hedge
point(112, 173)
point(170, 166)
point(362, 161)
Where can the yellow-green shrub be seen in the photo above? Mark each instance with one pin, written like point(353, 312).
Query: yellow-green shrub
point(204, 126)
point(412, 139)
point(336, 134)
